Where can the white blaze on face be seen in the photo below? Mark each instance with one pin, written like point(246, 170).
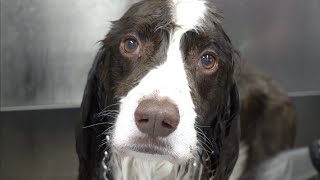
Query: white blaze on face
point(168, 80)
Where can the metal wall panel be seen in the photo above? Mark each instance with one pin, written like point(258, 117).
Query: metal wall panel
point(34, 148)
point(47, 46)
point(281, 37)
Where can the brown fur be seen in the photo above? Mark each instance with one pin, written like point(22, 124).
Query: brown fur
point(267, 115)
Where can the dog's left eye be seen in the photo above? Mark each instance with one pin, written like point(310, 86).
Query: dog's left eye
point(208, 61)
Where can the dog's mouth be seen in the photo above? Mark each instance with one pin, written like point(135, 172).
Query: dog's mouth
point(150, 145)
point(147, 148)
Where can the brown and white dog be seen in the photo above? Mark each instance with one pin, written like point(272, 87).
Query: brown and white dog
point(162, 101)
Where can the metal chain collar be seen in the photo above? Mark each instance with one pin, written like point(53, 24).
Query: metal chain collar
point(197, 166)
point(104, 162)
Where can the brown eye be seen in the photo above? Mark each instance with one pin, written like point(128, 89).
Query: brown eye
point(130, 45)
point(208, 61)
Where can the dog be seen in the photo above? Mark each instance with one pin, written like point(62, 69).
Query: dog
point(162, 101)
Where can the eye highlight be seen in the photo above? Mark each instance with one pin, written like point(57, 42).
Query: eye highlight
point(208, 62)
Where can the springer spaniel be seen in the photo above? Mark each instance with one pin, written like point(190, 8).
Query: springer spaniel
point(161, 101)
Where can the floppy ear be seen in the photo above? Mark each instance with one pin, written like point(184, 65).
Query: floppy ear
point(224, 137)
point(233, 108)
point(88, 139)
point(229, 128)
point(233, 105)
point(224, 131)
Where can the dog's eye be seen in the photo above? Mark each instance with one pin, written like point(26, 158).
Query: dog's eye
point(208, 61)
point(130, 45)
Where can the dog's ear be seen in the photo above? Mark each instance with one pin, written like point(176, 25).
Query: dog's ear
point(225, 136)
point(87, 137)
point(233, 108)
point(225, 128)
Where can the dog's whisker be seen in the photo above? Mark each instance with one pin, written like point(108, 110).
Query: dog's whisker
point(114, 104)
point(96, 124)
point(114, 117)
point(108, 111)
point(106, 108)
point(101, 145)
point(202, 134)
point(206, 139)
point(205, 146)
point(201, 142)
point(199, 130)
point(104, 141)
point(105, 132)
point(109, 115)
point(109, 106)
point(207, 143)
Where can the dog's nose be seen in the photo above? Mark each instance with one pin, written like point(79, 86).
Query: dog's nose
point(157, 117)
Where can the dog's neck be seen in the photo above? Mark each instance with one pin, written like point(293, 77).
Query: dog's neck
point(131, 168)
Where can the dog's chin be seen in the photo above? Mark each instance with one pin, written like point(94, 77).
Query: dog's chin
point(150, 149)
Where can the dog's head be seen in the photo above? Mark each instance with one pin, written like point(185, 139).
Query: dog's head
point(163, 79)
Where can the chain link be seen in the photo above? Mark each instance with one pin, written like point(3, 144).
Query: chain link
point(104, 162)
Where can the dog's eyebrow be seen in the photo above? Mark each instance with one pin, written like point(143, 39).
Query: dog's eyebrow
point(144, 21)
point(194, 34)
point(166, 26)
point(197, 30)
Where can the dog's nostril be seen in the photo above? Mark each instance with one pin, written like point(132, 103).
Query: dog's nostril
point(143, 120)
point(167, 125)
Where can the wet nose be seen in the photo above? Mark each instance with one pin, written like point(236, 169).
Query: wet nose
point(157, 118)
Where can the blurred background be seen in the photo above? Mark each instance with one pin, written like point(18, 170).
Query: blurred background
point(47, 47)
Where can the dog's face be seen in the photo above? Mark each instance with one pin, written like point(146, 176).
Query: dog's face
point(169, 67)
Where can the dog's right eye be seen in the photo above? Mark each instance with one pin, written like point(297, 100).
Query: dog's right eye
point(130, 47)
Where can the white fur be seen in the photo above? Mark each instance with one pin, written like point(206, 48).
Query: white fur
point(241, 162)
point(168, 80)
point(188, 13)
point(139, 169)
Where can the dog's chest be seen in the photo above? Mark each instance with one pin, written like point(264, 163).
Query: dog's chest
point(129, 168)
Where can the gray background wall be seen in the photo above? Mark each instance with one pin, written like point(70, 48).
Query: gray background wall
point(47, 46)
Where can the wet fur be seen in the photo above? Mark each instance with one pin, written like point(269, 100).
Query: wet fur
point(263, 105)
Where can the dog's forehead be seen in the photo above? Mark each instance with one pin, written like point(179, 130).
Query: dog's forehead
point(187, 14)
point(177, 14)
